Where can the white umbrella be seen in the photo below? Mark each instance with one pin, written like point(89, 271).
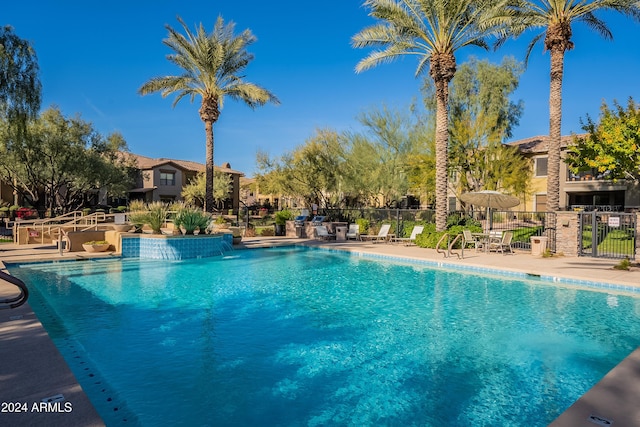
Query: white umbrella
point(491, 200)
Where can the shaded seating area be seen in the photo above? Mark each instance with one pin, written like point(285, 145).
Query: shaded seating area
point(383, 234)
point(411, 240)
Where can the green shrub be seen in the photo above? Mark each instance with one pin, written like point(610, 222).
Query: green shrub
point(156, 216)
point(153, 214)
point(191, 218)
point(138, 218)
point(462, 220)
point(624, 264)
point(430, 237)
point(281, 217)
point(136, 205)
point(363, 225)
point(428, 240)
point(267, 232)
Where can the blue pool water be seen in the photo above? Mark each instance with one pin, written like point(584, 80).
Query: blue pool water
point(307, 337)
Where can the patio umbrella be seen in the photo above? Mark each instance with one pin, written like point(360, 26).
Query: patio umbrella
point(491, 200)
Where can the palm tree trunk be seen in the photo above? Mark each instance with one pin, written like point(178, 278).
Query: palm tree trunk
point(208, 198)
point(555, 129)
point(442, 138)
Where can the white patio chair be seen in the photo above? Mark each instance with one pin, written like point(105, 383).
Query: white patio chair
point(323, 233)
point(502, 244)
point(417, 229)
point(470, 239)
point(353, 232)
point(382, 235)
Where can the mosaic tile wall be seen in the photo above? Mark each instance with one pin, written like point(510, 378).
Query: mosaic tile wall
point(175, 248)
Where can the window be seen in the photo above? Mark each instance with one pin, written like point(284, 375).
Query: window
point(167, 178)
point(541, 166)
point(540, 202)
point(452, 204)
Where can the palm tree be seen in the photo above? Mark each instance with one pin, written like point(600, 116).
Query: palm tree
point(434, 30)
point(556, 17)
point(212, 65)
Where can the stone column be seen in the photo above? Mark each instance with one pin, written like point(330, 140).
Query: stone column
point(567, 227)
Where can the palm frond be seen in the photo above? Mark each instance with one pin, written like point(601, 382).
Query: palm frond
point(427, 27)
point(252, 94)
point(531, 45)
point(597, 25)
point(212, 65)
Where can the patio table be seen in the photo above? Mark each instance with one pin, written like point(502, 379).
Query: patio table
point(484, 239)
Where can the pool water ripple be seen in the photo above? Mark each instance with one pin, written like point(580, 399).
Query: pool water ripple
point(306, 337)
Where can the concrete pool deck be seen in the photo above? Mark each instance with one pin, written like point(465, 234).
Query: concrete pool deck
point(32, 369)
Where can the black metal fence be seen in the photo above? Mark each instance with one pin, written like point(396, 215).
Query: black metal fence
point(524, 225)
point(607, 235)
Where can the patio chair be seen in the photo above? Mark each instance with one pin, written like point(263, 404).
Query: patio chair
point(502, 244)
point(353, 232)
point(470, 239)
point(417, 229)
point(382, 235)
point(323, 233)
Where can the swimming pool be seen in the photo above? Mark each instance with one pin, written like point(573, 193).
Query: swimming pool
point(296, 336)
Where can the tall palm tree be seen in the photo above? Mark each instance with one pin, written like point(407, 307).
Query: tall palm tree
point(434, 30)
point(556, 18)
point(212, 65)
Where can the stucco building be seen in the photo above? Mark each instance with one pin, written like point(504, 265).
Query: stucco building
point(589, 190)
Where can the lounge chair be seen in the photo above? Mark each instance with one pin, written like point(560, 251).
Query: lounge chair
point(353, 232)
point(470, 239)
point(417, 229)
point(382, 235)
point(323, 233)
point(500, 245)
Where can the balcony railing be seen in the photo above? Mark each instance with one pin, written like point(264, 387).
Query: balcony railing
point(592, 175)
point(599, 208)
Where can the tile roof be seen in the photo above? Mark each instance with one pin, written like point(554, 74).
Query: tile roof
point(540, 144)
point(144, 162)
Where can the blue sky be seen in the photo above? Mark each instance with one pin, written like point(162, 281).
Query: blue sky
point(94, 56)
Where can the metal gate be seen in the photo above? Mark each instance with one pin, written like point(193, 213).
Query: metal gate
point(607, 234)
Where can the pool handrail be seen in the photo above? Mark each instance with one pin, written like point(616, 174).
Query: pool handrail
point(449, 243)
point(14, 302)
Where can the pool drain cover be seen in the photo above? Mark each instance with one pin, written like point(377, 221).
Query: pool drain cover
point(599, 420)
point(54, 398)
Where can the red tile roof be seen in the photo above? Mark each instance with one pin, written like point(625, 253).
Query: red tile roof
point(144, 163)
